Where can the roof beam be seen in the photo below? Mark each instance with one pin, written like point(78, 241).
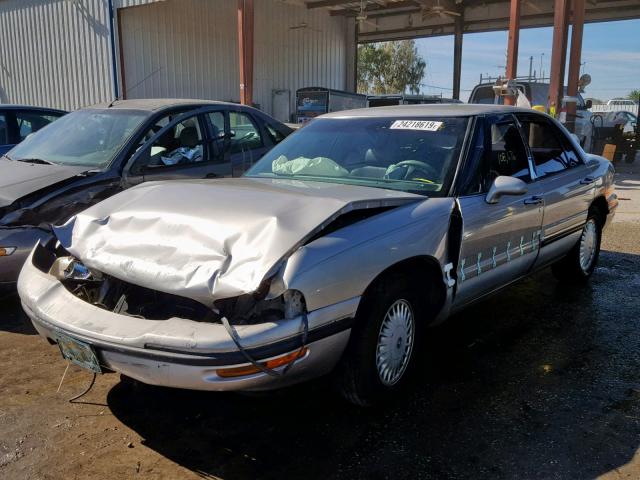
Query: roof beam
point(327, 3)
point(392, 26)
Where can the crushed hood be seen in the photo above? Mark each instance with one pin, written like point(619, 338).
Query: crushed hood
point(18, 179)
point(206, 239)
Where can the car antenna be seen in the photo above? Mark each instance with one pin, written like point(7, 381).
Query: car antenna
point(121, 96)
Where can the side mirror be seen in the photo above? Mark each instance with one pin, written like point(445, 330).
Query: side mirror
point(588, 104)
point(505, 186)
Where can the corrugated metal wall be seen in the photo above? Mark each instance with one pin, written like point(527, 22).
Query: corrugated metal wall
point(188, 48)
point(183, 49)
point(296, 47)
point(133, 3)
point(55, 53)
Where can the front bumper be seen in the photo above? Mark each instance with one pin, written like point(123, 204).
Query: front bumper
point(23, 239)
point(184, 353)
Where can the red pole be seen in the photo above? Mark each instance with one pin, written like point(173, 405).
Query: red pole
point(558, 55)
point(512, 46)
point(245, 50)
point(574, 61)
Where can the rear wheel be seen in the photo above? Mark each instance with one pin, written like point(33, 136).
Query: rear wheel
point(579, 263)
point(383, 343)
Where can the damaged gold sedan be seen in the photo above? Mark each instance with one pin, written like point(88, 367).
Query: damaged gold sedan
point(332, 254)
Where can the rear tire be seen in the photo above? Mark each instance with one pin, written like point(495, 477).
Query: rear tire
point(578, 265)
point(383, 343)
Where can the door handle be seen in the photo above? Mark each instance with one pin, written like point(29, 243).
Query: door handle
point(587, 181)
point(535, 200)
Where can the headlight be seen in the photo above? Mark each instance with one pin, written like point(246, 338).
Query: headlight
point(294, 305)
point(6, 251)
point(68, 268)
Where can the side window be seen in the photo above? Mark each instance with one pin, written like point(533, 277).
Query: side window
point(549, 153)
point(245, 135)
point(218, 139)
point(275, 135)
point(216, 119)
point(4, 134)
point(29, 122)
point(179, 145)
point(507, 153)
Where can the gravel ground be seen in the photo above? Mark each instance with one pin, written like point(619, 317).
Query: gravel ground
point(540, 381)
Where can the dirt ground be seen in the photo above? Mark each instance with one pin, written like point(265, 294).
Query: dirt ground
point(541, 381)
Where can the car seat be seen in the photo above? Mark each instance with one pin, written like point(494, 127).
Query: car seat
point(189, 137)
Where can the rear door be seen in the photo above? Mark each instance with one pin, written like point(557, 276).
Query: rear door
point(248, 142)
point(561, 178)
point(500, 241)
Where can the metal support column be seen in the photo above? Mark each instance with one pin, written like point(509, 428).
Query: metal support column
point(245, 49)
point(558, 55)
point(457, 55)
point(512, 46)
point(574, 61)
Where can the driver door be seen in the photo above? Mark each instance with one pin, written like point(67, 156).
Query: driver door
point(500, 241)
point(183, 148)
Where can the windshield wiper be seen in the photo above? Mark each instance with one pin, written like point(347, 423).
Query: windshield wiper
point(35, 160)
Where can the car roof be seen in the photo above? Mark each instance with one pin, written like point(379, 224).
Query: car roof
point(155, 104)
point(429, 110)
point(15, 106)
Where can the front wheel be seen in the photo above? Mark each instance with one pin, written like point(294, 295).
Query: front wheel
point(382, 345)
point(581, 261)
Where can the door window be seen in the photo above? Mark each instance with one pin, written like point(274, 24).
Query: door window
point(549, 153)
point(3, 130)
point(276, 135)
point(217, 124)
point(180, 144)
point(245, 135)
point(29, 122)
point(218, 139)
point(507, 154)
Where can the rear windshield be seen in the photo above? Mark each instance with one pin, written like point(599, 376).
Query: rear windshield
point(416, 155)
point(486, 96)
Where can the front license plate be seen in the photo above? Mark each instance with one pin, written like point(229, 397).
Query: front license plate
point(78, 352)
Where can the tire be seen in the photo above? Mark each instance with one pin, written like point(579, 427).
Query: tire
point(571, 268)
point(383, 343)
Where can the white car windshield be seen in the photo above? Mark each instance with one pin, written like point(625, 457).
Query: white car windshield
point(89, 137)
point(411, 154)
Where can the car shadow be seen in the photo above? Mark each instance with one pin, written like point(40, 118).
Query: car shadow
point(538, 381)
point(12, 317)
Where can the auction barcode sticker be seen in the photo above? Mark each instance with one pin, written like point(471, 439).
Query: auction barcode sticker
point(425, 125)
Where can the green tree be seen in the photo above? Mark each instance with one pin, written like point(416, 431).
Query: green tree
point(390, 67)
point(634, 94)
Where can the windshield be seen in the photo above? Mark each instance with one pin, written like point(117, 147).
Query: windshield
point(88, 137)
point(416, 155)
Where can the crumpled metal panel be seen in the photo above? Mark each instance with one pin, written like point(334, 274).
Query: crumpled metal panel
point(20, 179)
point(208, 240)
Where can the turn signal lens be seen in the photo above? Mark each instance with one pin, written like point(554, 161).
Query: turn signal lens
point(269, 364)
point(6, 251)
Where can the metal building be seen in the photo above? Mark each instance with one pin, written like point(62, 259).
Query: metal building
point(72, 53)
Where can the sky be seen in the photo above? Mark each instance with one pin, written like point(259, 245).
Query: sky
point(611, 52)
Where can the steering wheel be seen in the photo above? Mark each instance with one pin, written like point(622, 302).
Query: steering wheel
point(411, 169)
